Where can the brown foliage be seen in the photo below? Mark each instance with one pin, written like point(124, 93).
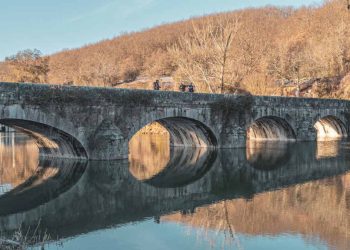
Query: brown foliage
point(260, 49)
point(344, 91)
point(27, 66)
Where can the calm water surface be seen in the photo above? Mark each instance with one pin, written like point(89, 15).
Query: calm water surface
point(268, 196)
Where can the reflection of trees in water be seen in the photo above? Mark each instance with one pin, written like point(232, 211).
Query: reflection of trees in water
point(327, 148)
point(51, 178)
point(109, 195)
point(315, 209)
point(269, 155)
point(149, 154)
point(200, 223)
point(19, 156)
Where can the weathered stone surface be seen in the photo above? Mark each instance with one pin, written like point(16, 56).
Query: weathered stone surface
point(103, 120)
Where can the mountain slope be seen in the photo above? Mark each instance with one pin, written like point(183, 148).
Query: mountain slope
point(268, 50)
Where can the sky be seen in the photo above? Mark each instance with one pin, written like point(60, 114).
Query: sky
point(51, 25)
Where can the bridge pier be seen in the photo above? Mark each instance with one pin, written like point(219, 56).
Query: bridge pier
point(107, 142)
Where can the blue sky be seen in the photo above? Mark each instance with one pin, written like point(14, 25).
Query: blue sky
point(51, 26)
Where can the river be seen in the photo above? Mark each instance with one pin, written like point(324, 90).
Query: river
point(270, 195)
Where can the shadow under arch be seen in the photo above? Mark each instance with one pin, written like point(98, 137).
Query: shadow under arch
point(330, 127)
point(51, 141)
point(188, 132)
point(271, 128)
point(183, 132)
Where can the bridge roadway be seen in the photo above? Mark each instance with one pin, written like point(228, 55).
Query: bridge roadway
point(97, 123)
point(90, 195)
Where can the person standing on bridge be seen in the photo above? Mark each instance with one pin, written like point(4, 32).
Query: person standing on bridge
point(156, 85)
point(191, 88)
point(182, 87)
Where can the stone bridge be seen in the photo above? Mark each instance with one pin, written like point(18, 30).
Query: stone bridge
point(97, 123)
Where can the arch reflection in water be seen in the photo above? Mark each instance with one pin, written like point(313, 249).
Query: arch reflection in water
point(184, 167)
point(51, 178)
point(160, 165)
point(31, 180)
point(267, 155)
point(171, 152)
point(108, 195)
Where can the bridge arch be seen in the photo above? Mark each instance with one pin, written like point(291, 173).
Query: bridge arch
point(271, 128)
point(52, 142)
point(330, 127)
point(172, 152)
point(183, 131)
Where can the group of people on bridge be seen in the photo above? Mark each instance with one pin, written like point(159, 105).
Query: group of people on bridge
point(182, 87)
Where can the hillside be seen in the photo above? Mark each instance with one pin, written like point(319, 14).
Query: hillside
point(265, 51)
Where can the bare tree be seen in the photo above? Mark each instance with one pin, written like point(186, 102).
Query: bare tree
point(223, 38)
point(29, 66)
point(202, 55)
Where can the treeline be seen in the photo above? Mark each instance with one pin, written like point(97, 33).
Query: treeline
point(260, 50)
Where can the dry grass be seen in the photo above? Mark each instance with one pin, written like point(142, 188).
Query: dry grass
point(20, 240)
